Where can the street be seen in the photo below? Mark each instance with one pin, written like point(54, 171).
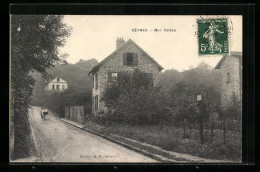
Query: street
point(56, 141)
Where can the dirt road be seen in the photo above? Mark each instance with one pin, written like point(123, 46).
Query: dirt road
point(56, 141)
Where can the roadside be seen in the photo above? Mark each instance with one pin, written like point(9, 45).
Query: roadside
point(152, 151)
point(172, 139)
point(56, 141)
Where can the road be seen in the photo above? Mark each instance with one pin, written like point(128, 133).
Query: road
point(56, 141)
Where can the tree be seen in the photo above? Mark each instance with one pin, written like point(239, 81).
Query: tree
point(132, 99)
point(232, 112)
point(201, 80)
point(34, 47)
point(203, 74)
point(168, 78)
point(188, 109)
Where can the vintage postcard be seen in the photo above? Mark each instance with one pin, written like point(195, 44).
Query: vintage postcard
point(126, 88)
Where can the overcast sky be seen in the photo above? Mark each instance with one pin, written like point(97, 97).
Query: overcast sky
point(95, 37)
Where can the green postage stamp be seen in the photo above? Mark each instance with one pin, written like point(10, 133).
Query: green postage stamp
point(213, 36)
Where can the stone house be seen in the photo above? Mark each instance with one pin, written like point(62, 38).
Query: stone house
point(230, 67)
point(126, 58)
point(57, 84)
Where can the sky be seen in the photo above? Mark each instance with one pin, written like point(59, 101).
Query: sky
point(94, 36)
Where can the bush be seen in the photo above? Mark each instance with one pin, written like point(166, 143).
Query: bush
point(234, 110)
point(133, 99)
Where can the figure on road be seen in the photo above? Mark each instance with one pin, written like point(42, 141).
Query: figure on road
point(44, 112)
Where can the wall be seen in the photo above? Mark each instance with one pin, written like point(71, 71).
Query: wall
point(75, 113)
point(115, 64)
point(231, 65)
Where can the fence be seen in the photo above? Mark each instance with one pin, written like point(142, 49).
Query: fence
point(75, 113)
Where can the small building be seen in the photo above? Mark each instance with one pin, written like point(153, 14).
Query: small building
point(127, 57)
point(57, 84)
point(230, 67)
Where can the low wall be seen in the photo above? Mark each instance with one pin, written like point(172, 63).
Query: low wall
point(75, 113)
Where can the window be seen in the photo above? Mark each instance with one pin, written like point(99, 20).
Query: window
point(130, 59)
point(112, 76)
point(228, 77)
point(58, 79)
point(63, 87)
point(57, 87)
point(96, 81)
point(53, 87)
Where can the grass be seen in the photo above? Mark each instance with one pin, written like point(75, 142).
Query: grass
point(172, 139)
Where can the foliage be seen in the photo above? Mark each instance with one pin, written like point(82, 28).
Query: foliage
point(79, 84)
point(133, 99)
point(168, 79)
point(35, 41)
point(170, 138)
point(143, 107)
point(183, 98)
point(202, 74)
point(234, 111)
point(76, 75)
point(34, 47)
point(56, 101)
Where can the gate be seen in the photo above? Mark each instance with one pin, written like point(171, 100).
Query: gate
point(75, 113)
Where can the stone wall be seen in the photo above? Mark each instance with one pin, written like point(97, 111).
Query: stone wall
point(231, 65)
point(115, 64)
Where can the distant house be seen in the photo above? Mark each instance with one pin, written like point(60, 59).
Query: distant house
point(230, 67)
point(127, 57)
point(57, 84)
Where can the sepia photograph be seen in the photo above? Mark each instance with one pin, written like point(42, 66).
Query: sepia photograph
point(125, 89)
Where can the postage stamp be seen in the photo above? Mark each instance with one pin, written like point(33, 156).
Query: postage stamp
point(213, 36)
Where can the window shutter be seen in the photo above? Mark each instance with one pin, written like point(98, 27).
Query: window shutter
point(96, 103)
point(124, 59)
point(135, 59)
point(96, 81)
point(93, 82)
point(109, 79)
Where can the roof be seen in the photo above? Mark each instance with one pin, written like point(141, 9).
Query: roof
point(61, 80)
point(127, 42)
point(232, 53)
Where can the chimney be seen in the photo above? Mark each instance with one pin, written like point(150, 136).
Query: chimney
point(119, 42)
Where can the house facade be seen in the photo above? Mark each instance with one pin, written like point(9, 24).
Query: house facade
point(57, 84)
point(127, 57)
point(230, 67)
